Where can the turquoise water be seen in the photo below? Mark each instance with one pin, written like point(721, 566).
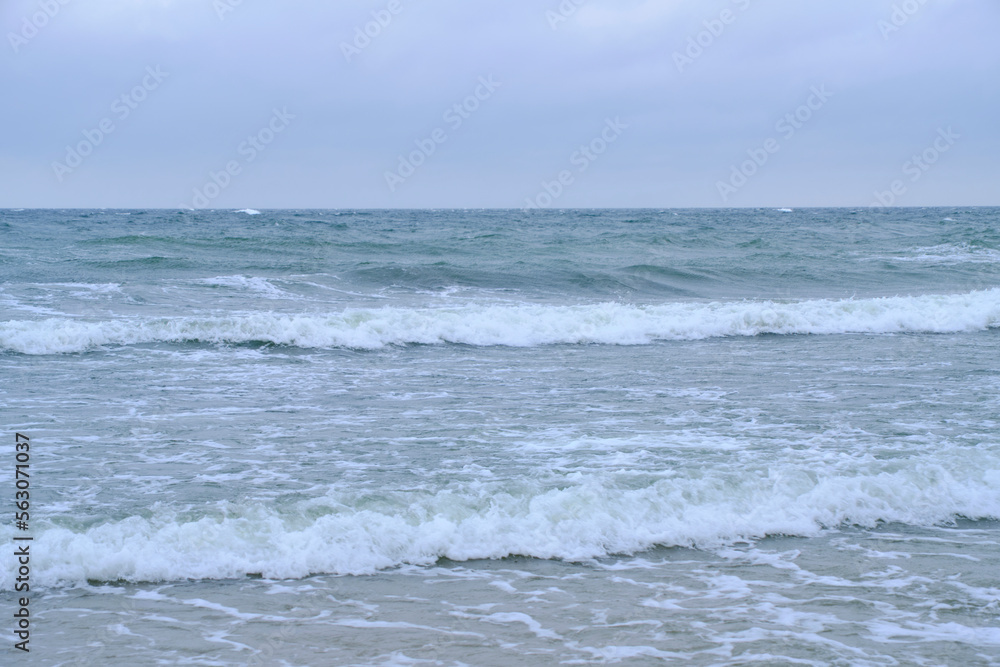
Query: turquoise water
point(505, 437)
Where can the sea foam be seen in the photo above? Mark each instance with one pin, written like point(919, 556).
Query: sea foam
point(571, 518)
point(520, 325)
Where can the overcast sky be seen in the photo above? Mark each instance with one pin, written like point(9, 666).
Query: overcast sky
point(629, 103)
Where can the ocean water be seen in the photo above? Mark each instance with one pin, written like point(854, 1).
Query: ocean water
point(690, 437)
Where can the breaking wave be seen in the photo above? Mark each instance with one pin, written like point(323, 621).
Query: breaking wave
point(520, 325)
point(589, 516)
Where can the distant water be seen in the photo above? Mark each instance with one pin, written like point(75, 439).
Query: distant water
point(505, 437)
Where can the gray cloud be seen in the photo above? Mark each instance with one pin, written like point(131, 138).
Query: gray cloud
point(893, 88)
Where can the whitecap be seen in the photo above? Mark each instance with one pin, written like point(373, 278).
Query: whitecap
point(518, 325)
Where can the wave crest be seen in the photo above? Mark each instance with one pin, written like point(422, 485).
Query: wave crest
point(520, 325)
point(587, 517)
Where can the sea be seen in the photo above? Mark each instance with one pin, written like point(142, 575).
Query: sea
point(503, 437)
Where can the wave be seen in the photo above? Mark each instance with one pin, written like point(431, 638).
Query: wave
point(520, 325)
point(946, 254)
point(260, 286)
point(573, 518)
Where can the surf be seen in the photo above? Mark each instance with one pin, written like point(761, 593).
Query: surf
point(518, 325)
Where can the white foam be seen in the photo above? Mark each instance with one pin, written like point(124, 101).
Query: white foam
point(519, 617)
point(248, 211)
point(522, 325)
point(946, 254)
point(888, 632)
point(261, 286)
point(573, 518)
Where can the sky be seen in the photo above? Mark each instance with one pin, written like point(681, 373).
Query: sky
point(499, 104)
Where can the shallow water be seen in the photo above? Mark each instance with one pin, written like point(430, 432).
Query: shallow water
point(492, 438)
